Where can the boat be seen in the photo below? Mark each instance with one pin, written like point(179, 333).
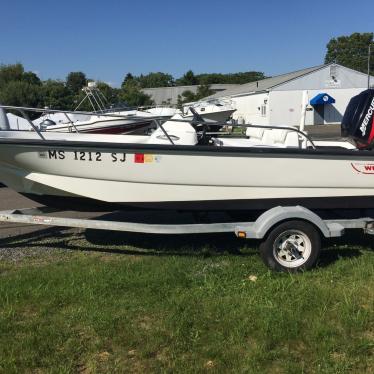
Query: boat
point(128, 121)
point(214, 110)
point(123, 122)
point(180, 166)
point(219, 110)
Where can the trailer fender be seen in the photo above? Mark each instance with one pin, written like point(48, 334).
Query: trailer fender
point(276, 215)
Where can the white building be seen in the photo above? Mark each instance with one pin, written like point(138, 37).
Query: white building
point(325, 90)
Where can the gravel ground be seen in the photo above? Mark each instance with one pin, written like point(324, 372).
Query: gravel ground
point(19, 241)
point(19, 254)
point(42, 243)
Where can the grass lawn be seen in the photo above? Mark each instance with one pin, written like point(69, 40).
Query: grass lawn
point(181, 305)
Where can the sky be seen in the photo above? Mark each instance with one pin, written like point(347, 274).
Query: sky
point(107, 39)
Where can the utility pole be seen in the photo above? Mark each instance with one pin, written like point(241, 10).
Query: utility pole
point(369, 53)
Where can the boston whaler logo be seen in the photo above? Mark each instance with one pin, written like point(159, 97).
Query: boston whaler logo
point(363, 168)
point(367, 118)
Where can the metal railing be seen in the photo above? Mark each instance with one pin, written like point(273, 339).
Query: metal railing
point(195, 122)
point(24, 110)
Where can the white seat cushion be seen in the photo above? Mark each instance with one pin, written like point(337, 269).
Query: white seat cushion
point(281, 138)
point(239, 142)
point(254, 132)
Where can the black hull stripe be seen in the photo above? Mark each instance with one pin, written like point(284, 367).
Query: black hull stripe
point(313, 203)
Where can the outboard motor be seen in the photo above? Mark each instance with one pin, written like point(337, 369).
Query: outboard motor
point(4, 121)
point(358, 120)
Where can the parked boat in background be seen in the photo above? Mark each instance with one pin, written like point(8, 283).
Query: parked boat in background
point(129, 121)
point(219, 110)
point(123, 122)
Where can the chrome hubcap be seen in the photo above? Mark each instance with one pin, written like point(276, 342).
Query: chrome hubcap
point(292, 248)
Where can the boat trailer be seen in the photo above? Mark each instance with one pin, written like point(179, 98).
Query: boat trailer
point(290, 235)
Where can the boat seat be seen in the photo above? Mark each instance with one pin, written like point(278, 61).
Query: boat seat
point(255, 132)
point(281, 138)
point(235, 142)
point(259, 137)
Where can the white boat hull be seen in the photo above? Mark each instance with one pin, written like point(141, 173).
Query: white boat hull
point(105, 126)
point(186, 177)
point(219, 116)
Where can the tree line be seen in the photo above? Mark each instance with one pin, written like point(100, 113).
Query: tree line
point(159, 79)
point(24, 88)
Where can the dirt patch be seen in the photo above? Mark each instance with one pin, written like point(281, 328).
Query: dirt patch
point(103, 356)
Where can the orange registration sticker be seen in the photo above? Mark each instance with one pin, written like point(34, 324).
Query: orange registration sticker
point(148, 158)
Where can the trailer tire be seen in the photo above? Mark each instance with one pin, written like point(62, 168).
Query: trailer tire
point(291, 246)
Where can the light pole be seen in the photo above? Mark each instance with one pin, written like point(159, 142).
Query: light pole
point(369, 53)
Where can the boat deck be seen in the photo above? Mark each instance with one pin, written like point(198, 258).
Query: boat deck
point(319, 132)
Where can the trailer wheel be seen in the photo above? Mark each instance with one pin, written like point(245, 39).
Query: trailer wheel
point(291, 246)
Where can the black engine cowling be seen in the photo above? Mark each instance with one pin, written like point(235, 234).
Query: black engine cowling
point(358, 120)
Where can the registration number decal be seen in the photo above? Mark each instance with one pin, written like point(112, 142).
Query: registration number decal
point(89, 156)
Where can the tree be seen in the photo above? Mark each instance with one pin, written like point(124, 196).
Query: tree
point(16, 72)
point(203, 90)
point(188, 79)
point(350, 51)
point(231, 78)
point(19, 88)
point(188, 96)
point(156, 80)
point(110, 93)
point(150, 80)
point(19, 93)
point(132, 95)
point(75, 81)
point(129, 77)
point(31, 78)
point(56, 95)
point(9, 73)
point(218, 78)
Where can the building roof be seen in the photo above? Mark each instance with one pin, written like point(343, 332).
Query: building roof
point(162, 95)
point(265, 84)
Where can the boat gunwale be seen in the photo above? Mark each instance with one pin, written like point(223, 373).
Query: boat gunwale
point(190, 149)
